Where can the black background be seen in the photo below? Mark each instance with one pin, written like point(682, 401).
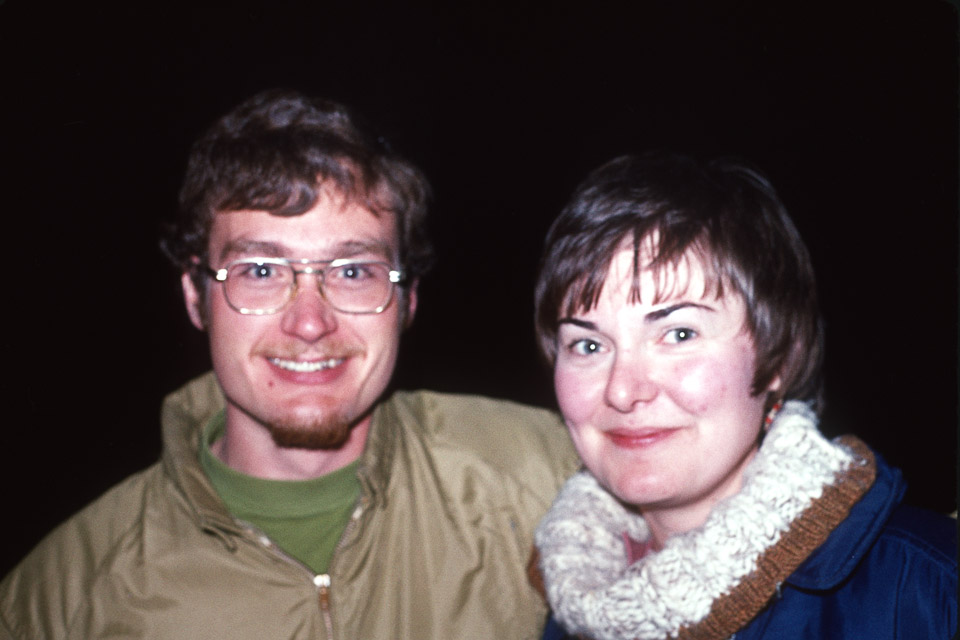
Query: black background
point(851, 107)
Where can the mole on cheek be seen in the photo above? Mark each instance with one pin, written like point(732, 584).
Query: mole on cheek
point(707, 401)
point(699, 386)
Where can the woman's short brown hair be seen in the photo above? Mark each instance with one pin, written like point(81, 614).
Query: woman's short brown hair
point(726, 214)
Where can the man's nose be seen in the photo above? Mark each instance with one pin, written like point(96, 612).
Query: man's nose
point(631, 381)
point(308, 315)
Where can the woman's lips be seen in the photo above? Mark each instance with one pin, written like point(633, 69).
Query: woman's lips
point(638, 438)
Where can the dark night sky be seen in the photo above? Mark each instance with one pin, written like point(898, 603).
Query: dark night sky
point(851, 107)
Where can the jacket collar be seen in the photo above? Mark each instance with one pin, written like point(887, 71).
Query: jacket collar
point(186, 411)
point(377, 459)
point(183, 416)
point(836, 559)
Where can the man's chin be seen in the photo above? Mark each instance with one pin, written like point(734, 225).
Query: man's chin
point(328, 434)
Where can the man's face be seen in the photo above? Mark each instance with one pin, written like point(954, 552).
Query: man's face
point(308, 373)
point(657, 394)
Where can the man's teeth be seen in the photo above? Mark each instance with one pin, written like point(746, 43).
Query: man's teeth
point(306, 367)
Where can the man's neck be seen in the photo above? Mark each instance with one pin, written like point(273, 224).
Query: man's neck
point(248, 447)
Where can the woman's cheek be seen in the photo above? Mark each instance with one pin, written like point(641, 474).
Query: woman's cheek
point(698, 385)
point(577, 392)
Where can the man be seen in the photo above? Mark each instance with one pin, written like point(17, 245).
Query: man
point(292, 500)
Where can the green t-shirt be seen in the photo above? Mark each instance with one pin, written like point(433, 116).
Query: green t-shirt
point(305, 518)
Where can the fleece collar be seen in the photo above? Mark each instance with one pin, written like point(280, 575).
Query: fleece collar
point(836, 559)
point(711, 581)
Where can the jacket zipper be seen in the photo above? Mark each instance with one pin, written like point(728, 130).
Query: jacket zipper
point(323, 581)
point(320, 580)
point(323, 592)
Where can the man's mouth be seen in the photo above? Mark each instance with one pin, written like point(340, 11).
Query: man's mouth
point(306, 366)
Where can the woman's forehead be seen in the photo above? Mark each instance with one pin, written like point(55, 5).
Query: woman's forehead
point(643, 275)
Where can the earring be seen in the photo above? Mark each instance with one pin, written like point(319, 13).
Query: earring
point(772, 414)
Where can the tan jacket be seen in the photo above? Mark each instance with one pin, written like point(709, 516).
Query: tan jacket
point(453, 487)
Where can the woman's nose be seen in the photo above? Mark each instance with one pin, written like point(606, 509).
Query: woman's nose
point(631, 381)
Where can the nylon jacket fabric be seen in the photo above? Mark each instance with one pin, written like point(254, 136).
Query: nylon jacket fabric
point(888, 571)
point(453, 487)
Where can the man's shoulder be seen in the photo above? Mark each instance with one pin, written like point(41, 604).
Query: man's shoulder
point(457, 416)
point(105, 519)
point(504, 433)
point(58, 573)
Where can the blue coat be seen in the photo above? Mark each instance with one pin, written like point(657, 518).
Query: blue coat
point(888, 571)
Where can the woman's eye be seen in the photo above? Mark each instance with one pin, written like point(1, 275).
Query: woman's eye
point(680, 334)
point(584, 347)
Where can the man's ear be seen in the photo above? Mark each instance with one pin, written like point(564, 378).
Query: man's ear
point(194, 301)
point(411, 300)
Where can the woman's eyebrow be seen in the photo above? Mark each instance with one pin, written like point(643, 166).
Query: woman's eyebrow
point(583, 324)
point(660, 314)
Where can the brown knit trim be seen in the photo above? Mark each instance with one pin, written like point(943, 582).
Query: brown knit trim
point(735, 609)
point(534, 575)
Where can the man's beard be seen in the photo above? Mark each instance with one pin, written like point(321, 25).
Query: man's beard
point(321, 433)
point(326, 428)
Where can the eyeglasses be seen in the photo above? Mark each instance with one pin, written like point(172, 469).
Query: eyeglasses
point(261, 286)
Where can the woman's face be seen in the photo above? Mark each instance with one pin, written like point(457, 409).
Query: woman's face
point(657, 395)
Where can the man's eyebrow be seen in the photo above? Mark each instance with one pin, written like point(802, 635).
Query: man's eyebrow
point(356, 247)
point(660, 314)
point(246, 247)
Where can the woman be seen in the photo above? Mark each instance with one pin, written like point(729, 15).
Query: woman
point(677, 305)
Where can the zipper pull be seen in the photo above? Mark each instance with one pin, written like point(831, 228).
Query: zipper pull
point(322, 582)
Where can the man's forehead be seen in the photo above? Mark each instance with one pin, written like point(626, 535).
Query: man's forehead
point(326, 231)
point(240, 247)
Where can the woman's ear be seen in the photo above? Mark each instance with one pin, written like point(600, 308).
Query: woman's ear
point(774, 385)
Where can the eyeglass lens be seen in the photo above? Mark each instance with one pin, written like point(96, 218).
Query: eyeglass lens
point(266, 287)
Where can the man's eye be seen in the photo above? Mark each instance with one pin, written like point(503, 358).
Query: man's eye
point(680, 334)
point(259, 271)
point(354, 272)
point(584, 347)
point(358, 273)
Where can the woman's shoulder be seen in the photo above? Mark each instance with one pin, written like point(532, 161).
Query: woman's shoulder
point(925, 533)
point(899, 581)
